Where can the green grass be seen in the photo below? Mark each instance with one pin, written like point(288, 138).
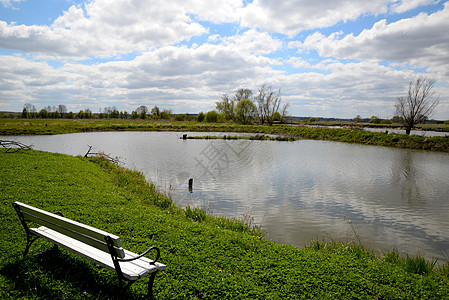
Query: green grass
point(206, 257)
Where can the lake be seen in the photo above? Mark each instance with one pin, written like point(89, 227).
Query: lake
point(297, 191)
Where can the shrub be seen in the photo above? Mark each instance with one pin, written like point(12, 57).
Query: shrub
point(211, 117)
point(200, 117)
point(180, 117)
point(246, 111)
point(374, 120)
point(165, 114)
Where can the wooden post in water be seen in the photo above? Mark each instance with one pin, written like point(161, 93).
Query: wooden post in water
point(191, 185)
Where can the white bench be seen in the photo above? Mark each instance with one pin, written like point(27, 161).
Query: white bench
point(98, 246)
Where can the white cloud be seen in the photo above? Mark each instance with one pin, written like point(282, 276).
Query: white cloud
point(406, 5)
point(293, 16)
point(104, 28)
point(418, 41)
point(214, 11)
point(9, 3)
point(171, 75)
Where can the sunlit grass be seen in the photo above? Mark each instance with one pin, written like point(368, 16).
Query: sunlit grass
point(207, 257)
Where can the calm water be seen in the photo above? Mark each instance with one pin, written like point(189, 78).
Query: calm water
point(298, 191)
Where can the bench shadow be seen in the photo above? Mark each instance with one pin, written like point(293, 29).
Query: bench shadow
point(57, 274)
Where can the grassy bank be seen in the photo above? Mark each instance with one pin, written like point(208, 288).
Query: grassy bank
point(288, 132)
point(206, 257)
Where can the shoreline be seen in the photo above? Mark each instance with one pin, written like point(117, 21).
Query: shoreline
point(16, 127)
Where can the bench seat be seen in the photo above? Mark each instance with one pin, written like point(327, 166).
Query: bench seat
point(132, 270)
point(93, 244)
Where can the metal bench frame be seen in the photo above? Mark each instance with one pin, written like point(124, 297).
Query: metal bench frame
point(56, 224)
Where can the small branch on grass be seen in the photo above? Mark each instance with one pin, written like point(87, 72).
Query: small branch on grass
point(13, 146)
point(115, 160)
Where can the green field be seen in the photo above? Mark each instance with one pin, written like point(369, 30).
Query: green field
point(206, 257)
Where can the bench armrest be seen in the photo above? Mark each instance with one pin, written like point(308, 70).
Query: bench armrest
point(143, 254)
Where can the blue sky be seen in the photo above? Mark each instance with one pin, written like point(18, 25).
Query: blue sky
point(329, 58)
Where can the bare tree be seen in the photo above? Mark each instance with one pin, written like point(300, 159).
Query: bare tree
point(268, 102)
point(62, 110)
point(29, 111)
point(419, 103)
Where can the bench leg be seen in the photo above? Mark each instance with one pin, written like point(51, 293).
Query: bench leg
point(150, 285)
point(30, 241)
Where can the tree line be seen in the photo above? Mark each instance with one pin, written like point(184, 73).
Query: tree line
point(111, 112)
point(243, 107)
point(264, 108)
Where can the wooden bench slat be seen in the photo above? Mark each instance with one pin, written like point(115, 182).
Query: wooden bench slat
point(100, 234)
point(131, 270)
point(89, 235)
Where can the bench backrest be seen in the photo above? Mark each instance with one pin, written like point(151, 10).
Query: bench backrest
point(83, 233)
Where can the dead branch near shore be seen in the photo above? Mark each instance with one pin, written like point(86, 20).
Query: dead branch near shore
point(116, 160)
point(13, 146)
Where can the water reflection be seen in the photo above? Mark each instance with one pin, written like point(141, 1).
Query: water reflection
point(405, 176)
point(299, 190)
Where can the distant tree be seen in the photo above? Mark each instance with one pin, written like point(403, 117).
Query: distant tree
point(24, 113)
point(243, 94)
point(88, 113)
point(396, 119)
point(374, 120)
point(111, 112)
point(200, 117)
point(50, 109)
point(226, 106)
point(211, 116)
point(29, 111)
point(80, 115)
point(245, 111)
point(180, 117)
point(142, 111)
point(134, 115)
point(166, 114)
point(268, 102)
point(43, 113)
point(61, 110)
point(115, 114)
point(419, 103)
point(155, 112)
point(357, 119)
